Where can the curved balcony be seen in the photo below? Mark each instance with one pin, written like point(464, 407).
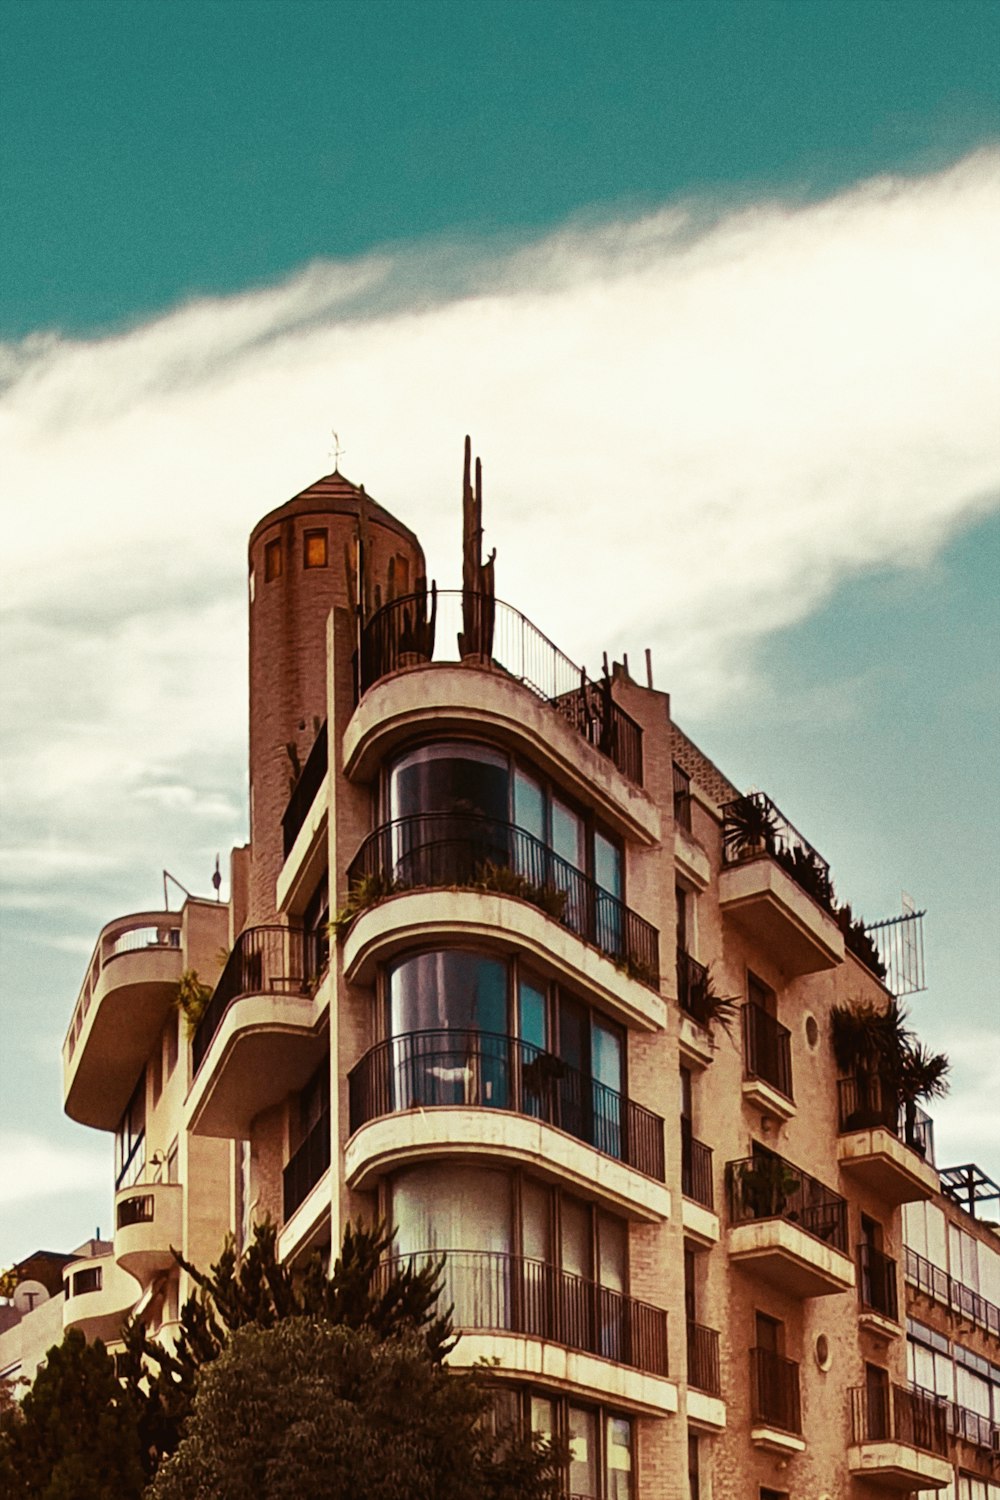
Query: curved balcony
point(466, 851)
point(493, 1292)
point(442, 1069)
point(475, 1095)
point(495, 637)
point(123, 1003)
point(99, 1297)
point(258, 1039)
point(148, 1221)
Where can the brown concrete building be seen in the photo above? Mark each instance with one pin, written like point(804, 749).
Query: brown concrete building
point(571, 1030)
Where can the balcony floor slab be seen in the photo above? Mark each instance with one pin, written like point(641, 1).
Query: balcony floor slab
point(787, 1257)
point(899, 1467)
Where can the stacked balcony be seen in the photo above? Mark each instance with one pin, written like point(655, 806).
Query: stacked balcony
point(787, 1228)
point(885, 1146)
point(900, 1437)
point(773, 886)
point(767, 1063)
point(258, 1038)
point(148, 1222)
point(878, 1293)
point(123, 1004)
point(775, 1406)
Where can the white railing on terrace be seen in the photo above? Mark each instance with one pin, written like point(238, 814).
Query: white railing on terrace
point(138, 933)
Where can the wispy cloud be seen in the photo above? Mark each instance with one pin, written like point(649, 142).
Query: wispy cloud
point(707, 419)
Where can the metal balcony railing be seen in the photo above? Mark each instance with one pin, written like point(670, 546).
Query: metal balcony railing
point(774, 1390)
point(692, 988)
point(304, 791)
point(498, 1293)
point(900, 1414)
point(403, 634)
point(753, 825)
point(703, 1367)
point(864, 1103)
point(696, 1168)
point(307, 1165)
point(478, 853)
point(682, 798)
point(877, 1282)
point(767, 1049)
point(934, 1282)
point(973, 1427)
point(426, 1069)
point(766, 1186)
point(264, 960)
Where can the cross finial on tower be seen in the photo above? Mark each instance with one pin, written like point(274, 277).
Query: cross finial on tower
point(336, 451)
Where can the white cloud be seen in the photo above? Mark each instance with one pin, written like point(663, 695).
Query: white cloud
point(694, 425)
point(34, 1167)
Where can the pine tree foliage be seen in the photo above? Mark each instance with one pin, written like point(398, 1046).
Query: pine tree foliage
point(334, 1412)
point(362, 1291)
point(74, 1436)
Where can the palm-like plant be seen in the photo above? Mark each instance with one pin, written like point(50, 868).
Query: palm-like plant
point(922, 1075)
point(749, 826)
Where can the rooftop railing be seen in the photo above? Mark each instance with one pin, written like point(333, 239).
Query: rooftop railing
point(499, 1293)
point(877, 1282)
point(481, 1069)
point(767, 1050)
point(766, 1186)
point(866, 1103)
point(401, 634)
point(753, 825)
point(304, 791)
point(900, 1414)
point(307, 1165)
point(269, 960)
point(774, 1390)
point(934, 1282)
point(472, 852)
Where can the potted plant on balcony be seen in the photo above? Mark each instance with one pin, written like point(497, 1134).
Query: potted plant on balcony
point(809, 873)
point(764, 1185)
point(191, 999)
point(922, 1075)
point(749, 827)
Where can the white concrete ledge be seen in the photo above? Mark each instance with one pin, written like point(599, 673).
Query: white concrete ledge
point(898, 1466)
point(453, 698)
point(699, 1223)
point(784, 1255)
point(879, 1160)
point(298, 871)
point(775, 912)
point(769, 1100)
point(776, 1440)
point(458, 1133)
point(706, 1412)
point(309, 1225)
point(691, 859)
point(519, 1357)
point(695, 1041)
point(485, 919)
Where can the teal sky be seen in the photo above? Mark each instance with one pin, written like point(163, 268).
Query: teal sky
point(153, 151)
point(825, 449)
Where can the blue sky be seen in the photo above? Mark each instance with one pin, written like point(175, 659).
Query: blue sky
point(712, 284)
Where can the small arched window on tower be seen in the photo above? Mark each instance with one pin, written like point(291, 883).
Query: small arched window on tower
point(314, 549)
point(273, 560)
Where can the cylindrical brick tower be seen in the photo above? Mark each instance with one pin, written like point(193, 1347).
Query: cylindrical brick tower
point(297, 575)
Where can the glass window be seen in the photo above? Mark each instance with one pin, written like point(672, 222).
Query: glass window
point(529, 805)
point(541, 1417)
point(576, 1237)
point(314, 549)
point(273, 560)
point(450, 778)
point(533, 1015)
point(170, 1046)
point(130, 1139)
point(582, 1433)
point(618, 1445)
point(448, 989)
point(536, 1221)
point(608, 865)
point(568, 835)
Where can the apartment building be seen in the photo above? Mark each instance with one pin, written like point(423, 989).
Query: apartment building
point(570, 1027)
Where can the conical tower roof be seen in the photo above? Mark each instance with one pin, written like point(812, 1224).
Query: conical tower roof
point(334, 494)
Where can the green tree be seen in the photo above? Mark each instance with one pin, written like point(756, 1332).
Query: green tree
point(361, 1292)
point(74, 1437)
point(333, 1412)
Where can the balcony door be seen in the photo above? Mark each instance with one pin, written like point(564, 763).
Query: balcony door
point(878, 1425)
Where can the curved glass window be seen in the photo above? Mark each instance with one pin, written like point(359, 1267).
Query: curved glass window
point(450, 778)
point(448, 1021)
